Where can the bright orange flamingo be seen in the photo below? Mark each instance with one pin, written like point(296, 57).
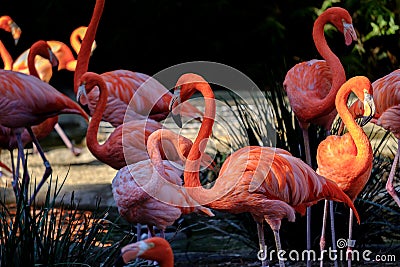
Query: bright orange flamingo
point(7, 24)
point(150, 191)
point(127, 143)
point(155, 248)
point(151, 102)
point(347, 159)
point(387, 100)
point(66, 59)
point(312, 86)
point(267, 182)
point(27, 101)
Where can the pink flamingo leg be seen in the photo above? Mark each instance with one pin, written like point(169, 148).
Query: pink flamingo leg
point(389, 183)
point(322, 239)
point(350, 242)
point(261, 241)
point(333, 232)
point(67, 142)
point(46, 163)
point(308, 210)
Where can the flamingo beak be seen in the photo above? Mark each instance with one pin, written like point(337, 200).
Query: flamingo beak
point(174, 108)
point(350, 34)
point(81, 96)
point(369, 108)
point(15, 31)
point(53, 59)
point(131, 251)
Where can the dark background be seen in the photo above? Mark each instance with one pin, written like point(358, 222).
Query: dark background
point(263, 39)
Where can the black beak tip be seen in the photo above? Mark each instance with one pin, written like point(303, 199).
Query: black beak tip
point(177, 119)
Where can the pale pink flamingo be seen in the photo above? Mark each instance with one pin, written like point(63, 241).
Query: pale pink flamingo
point(150, 191)
point(312, 86)
point(267, 182)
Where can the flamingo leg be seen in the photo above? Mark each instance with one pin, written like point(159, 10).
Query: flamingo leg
point(76, 151)
point(261, 242)
point(46, 163)
point(21, 160)
point(138, 232)
point(389, 183)
point(275, 226)
point(308, 210)
point(322, 239)
point(333, 232)
point(350, 242)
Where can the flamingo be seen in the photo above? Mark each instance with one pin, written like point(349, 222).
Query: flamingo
point(311, 86)
point(124, 86)
point(7, 24)
point(150, 191)
point(27, 101)
point(127, 143)
point(387, 98)
point(154, 248)
point(268, 182)
point(347, 159)
point(66, 59)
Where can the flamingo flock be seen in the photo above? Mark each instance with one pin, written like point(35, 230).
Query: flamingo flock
point(158, 170)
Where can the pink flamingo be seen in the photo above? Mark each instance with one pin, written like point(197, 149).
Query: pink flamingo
point(27, 101)
point(312, 86)
point(267, 182)
point(150, 191)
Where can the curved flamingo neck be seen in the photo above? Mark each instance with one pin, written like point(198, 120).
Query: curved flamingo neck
point(361, 141)
point(33, 52)
point(93, 127)
point(86, 46)
point(6, 57)
point(192, 166)
point(75, 39)
point(337, 70)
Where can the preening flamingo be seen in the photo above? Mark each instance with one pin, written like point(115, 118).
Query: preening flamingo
point(7, 24)
point(387, 101)
point(127, 143)
point(312, 86)
point(150, 191)
point(124, 87)
point(347, 159)
point(27, 101)
point(267, 182)
point(66, 59)
point(155, 248)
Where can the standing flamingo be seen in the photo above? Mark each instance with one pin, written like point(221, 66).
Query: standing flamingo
point(347, 159)
point(66, 59)
point(125, 87)
point(7, 24)
point(155, 248)
point(312, 86)
point(27, 101)
point(267, 182)
point(387, 99)
point(150, 191)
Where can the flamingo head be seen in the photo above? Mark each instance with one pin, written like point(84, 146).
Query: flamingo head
point(342, 20)
point(362, 88)
point(7, 24)
point(41, 48)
